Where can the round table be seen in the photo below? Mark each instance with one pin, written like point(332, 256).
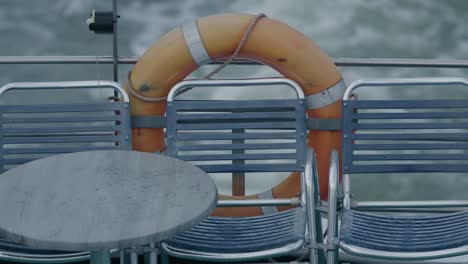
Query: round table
point(100, 200)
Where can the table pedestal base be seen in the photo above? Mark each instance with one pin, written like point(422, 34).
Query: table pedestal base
point(150, 253)
point(100, 257)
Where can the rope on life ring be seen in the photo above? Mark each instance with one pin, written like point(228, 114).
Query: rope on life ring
point(209, 75)
point(182, 50)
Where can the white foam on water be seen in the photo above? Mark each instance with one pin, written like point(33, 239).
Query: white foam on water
point(77, 7)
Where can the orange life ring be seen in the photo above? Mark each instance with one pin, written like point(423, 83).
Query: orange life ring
point(169, 61)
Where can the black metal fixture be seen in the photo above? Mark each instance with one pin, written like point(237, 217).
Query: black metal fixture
point(101, 22)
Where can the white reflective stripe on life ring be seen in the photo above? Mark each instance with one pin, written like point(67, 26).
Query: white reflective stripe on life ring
point(195, 44)
point(326, 97)
point(267, 209)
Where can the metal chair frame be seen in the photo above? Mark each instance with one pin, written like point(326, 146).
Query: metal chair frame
point(351, 123)
point(56, 130)
point(309, 197)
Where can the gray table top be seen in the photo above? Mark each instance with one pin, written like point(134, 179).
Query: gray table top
point(100, 200)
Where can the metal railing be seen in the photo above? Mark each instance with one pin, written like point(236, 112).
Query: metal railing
point(342, 62)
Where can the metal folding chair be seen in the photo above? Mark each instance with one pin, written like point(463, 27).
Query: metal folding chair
point(404, 137)
point(29, 131)
point(197, 126)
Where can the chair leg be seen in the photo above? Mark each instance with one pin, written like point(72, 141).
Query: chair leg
point(332, 255)
point(153, 256)
point(319, 230)
point(312, 202)
point(100, 257)
point(316, 256)
point(164, 256)
point(313, 236)
point(123, 257)
point(133, 257)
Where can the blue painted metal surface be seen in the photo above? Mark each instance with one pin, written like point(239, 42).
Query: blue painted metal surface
point(225, 235)
point(404, 136)
point(404, 233)
point(28, 132)
point(195, 129)
point(226, 136)
point(11, 246)
point(391, 136)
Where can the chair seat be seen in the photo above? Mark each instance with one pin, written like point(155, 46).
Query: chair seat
point(404, 233)
point(6, 245)
point(15, 253)
point(230, 235)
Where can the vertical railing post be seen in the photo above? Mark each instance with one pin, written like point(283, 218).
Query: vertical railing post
point(115, 53)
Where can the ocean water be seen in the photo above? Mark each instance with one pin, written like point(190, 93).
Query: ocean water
point(430, 29)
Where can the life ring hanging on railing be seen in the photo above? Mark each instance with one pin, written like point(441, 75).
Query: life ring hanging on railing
point(179, 52)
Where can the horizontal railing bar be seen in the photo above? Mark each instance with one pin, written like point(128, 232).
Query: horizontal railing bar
point(55, 150)
point(229, 168)
point(54, 134)
point(59, 139)
point(262, 202)
point(215, 120)
point(424, 115)
point(407, 104)
point(64, 60)
point(216, 157)
point(189, 136)
point(230, 116)
point(57, 108)
point(414, 63)
point(411, 136)
point(344, 62)
point(407, 168)
point(60, 119)
point(242, 106)
point(70, 129)
point(408, 157)
point(385, 126)
point(224, 126)
point(409, 204)
point(413, 210)
point(238, 146)
point(89, 60)
point(426, 146)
